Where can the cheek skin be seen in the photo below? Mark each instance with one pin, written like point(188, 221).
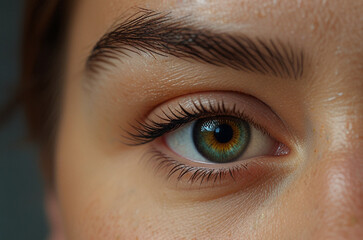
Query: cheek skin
point(99, 194)
point(325, 203)
point(95, 202)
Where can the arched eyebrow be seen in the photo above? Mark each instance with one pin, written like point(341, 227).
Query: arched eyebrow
point(159, 33)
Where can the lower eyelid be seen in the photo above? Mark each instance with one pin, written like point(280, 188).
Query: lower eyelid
point(248, 174)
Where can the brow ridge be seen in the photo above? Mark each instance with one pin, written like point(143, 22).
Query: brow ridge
point(159, 33)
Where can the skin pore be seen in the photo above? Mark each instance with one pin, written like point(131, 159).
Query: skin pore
point(108, 189)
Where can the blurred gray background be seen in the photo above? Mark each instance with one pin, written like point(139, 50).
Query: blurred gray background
point(21, 200)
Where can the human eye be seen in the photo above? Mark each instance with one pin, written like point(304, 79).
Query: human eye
point(211, 138)
point(220, 139)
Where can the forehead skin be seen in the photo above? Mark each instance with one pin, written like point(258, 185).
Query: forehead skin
point(323, 197)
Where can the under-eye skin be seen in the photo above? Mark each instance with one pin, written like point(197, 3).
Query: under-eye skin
point(214, 137)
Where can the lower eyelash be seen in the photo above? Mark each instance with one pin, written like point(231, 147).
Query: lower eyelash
point(196, 174)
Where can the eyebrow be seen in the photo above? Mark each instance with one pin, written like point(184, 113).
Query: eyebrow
point(159, 33)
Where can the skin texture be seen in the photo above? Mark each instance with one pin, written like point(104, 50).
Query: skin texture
point(107, 190)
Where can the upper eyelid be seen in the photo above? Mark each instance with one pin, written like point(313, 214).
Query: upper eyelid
point(183, 117)
point(278, 131)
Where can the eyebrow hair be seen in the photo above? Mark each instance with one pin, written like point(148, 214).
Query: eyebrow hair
point(158, 33)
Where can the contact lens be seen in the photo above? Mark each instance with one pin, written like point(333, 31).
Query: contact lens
point(221, 139)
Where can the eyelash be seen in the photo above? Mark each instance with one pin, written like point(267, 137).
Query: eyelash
point(200, 174)
point(148, 130)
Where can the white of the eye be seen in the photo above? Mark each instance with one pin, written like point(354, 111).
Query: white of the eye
point(182, 143)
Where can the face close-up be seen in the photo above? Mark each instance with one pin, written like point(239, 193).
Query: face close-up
point(210, 119)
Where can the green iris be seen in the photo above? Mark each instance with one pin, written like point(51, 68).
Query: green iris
point(221, 139)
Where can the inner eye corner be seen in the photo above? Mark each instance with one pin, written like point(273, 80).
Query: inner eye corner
point(282, 149)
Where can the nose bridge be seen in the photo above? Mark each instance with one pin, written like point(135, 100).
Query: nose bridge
point(337, 181)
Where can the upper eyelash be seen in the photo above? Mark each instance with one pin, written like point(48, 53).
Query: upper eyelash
point(148, 130)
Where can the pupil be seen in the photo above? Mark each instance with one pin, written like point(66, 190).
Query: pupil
point(223, 133)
